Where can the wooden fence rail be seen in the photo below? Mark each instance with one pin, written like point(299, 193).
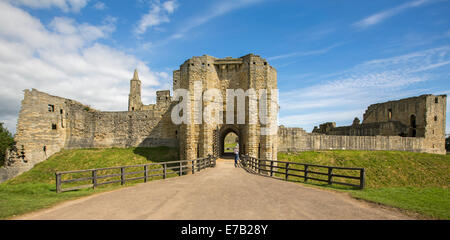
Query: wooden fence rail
point(271, 166)
point(177, 167)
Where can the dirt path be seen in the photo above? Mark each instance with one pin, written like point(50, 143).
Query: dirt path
point(223, 192)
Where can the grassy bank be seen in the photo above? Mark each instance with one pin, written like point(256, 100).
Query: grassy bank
point(416, 182)
point(35, 189)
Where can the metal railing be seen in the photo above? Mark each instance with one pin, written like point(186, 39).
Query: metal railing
point(271, 166)
point(176, 167)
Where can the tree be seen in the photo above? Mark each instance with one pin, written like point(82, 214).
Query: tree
point(6, 141)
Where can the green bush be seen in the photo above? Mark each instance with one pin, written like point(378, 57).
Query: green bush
point(6, 141)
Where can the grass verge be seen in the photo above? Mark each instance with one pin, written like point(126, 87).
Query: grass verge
point(36, 188)
point(416, 182)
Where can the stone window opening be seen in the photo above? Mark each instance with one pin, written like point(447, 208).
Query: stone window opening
point(435, 118)
point(44, 148)
point(389, 114)
point(51, 108)
point(436, 100)
point(413, 126)
point(132, 109)
point(54, 126)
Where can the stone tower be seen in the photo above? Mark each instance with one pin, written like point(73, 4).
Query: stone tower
point(134, 98)
point(201, 74)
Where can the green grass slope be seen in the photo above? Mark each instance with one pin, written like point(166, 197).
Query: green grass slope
point(35, 189)
point(416, 182)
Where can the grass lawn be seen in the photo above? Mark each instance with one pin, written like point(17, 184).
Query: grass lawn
point(229, 147)
point(417, 182)
point(36, 188)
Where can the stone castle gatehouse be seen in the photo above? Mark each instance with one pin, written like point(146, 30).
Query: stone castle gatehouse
point(47, 123)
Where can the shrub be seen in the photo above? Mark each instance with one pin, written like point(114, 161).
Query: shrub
point(6, 141)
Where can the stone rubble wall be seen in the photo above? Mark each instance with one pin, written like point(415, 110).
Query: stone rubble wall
point(296, 140)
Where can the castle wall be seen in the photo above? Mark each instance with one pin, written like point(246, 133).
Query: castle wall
point(47, 124)
point(296, 139)
point(40, 132)
point(392, 128)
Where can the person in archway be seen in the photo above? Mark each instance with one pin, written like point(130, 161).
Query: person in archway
point(236, 155)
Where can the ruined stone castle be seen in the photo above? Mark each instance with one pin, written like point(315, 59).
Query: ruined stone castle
point(47, 124)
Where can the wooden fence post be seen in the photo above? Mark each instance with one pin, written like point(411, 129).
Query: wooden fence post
point(165, 171)
point(271, 168)
point(94, 179)
point(58, 182)
point(287, 169)
point(330, 172)
point(259, 166)
point(145, 173)
point(306, 173)
point(362, 176)
point(181, 169)
point(122, 176)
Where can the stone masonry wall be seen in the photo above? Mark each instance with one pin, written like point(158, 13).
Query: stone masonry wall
point(47, 124)
point(296, 139)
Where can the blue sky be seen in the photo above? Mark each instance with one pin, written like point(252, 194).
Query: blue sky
point(334, 58)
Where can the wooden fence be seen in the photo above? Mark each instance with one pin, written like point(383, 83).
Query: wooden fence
point(177, 167)
point(270, 167)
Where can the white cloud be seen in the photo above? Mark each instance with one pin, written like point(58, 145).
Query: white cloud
point(64, 5)
point(217, 9)
point(64, 59)
point(305, 53)
point(158, 14)
point(383, 15)
point(100, 6)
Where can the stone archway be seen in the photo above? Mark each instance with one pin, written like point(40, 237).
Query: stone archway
point(224, 131)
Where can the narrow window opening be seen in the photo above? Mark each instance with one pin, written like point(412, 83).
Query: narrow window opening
point(435, 118)
point(44, 148)
point(51, 108)
point(436, 100)
point(53, 126)
point(389, 114)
